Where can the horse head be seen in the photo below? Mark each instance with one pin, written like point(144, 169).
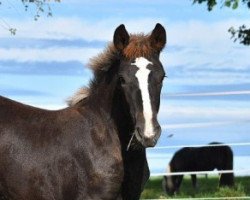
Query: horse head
point(168, 183)
point(132, 62)
point(140, 78)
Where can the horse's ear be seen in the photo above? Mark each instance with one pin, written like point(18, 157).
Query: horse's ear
point(121, 37)
point(158, 37)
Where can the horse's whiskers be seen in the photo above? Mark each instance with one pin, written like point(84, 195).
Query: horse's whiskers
point(130, 140)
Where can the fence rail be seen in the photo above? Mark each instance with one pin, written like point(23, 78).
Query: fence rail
point(202, 172)
point(200, 145)
point(207, 198)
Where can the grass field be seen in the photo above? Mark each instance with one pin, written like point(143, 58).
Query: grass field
point(207, 187)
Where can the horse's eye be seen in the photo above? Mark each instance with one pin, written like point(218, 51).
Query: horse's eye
point(122, 80)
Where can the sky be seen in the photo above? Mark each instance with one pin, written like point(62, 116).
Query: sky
point(204, 99)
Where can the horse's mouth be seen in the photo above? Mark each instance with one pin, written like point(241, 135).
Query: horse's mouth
point(140, 140)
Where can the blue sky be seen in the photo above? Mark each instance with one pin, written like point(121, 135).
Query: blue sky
point(205, 98)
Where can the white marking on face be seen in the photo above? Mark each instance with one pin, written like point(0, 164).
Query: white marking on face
point(142, 75)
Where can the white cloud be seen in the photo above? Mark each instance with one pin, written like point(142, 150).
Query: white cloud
point(229, 56)
point(75, 28)
point(192, 77)
point(57, 28)
point(226, 93)
point(188, 33)
point(193, 34)
point(204, 45)
point(201, 124)
point(62, 54)
point(200, 33)
point(225, 111)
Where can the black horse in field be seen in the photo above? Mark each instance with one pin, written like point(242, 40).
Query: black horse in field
point(85, 151)
point(205, 158)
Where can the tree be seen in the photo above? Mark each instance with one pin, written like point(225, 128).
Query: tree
point(41, 6)
point(242, 34)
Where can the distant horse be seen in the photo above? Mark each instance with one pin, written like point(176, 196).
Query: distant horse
point(205, 158)
point(85, 151)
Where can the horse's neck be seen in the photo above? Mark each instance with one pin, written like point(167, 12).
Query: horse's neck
point(109, 99)
point(101, 98)
point(103, 88)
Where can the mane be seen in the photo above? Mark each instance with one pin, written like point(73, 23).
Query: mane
point(139, 46)
point(79, 95)
point(104, 60)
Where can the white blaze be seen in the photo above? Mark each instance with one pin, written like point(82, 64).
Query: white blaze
point(142, 75)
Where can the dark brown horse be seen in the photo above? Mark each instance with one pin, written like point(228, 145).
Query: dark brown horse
point(193, 159)
point(84, 151)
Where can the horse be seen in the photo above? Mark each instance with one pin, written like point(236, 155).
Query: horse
point(94, 148)
point(191, 159)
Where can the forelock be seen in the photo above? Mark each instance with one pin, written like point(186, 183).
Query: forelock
point(139, 46)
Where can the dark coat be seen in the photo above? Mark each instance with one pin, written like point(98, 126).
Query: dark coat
point(191, 159)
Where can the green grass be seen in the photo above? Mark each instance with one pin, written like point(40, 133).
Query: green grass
point(206, 188)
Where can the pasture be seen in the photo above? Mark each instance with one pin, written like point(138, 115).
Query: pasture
point(207, 187)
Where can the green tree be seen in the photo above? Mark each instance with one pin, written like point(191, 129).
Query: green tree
point(242, 34)
point(40, 6)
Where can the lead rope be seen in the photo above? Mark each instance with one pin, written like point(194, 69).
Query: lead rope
point(130, 141)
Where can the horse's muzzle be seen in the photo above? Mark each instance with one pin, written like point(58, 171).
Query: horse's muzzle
point(148, 141)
